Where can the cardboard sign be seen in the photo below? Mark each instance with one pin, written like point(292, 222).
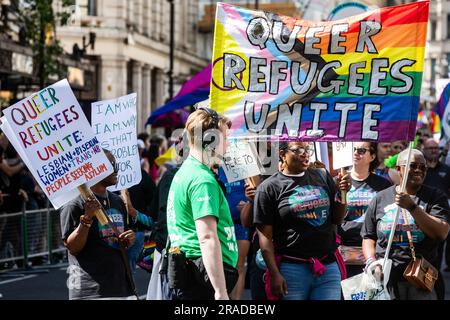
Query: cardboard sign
point(240, 161)
point(114, 123)
point(342, 154)
point(54, 139)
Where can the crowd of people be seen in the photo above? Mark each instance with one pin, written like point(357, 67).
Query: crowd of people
point(18, 191)
point(292, 235)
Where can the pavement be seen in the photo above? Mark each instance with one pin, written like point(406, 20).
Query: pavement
point(49, 283)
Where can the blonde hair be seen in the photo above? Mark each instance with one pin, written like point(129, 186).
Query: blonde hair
point(202, 120)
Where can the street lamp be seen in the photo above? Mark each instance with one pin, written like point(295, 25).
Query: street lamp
point(172, 46)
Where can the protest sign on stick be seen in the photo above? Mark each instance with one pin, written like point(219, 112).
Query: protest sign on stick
point(240, 161)
point(342, 158)
point(54, 139)
point(355, 79)
point(114, 124)
point(342, 154)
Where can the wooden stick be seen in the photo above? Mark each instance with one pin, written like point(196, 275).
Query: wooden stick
point(343, 193)
point(249, 181)
point(86, 193)
point(124, 195)
point(402, 189)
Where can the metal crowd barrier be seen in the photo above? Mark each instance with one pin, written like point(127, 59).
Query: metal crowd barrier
point(29, 234)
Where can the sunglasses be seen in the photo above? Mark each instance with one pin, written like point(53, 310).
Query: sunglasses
point(360, 151)
point(415, 166)
point(301, 151)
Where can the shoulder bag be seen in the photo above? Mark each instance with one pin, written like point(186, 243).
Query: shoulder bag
point(419, 272)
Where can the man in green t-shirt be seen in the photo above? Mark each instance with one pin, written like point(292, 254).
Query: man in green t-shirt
point(198, 217)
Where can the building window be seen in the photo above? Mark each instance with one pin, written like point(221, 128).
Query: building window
point(88, 7)
point(433, 71)
point(433, 30)
point(448, 26)
point(447, 75)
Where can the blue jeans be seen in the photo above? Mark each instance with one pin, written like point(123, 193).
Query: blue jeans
point(304, 285)
point(135, 250)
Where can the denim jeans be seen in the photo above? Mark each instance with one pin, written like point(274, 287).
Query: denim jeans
point(304, 285)
point(135, 250)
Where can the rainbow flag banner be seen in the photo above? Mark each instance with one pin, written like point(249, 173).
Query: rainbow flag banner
point(347, 80)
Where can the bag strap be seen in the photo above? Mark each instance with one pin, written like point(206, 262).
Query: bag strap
point(123, 255)
point(408, 232)
point(167, 243)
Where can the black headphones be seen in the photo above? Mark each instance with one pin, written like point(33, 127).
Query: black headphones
point(208, 137)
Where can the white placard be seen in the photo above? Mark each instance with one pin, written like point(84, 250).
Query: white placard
point(114, 123)
point(54, 139)
point(342, 154)
point(240, 161)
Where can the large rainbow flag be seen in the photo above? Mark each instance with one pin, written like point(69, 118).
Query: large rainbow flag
point(353, 79)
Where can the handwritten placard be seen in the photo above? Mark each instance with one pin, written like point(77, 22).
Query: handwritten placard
point(54, 139)
point(342, 154)
point(114, 123)
point(240, 161)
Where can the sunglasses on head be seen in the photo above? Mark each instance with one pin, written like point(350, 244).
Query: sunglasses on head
point(301, 151)
point(360, 151)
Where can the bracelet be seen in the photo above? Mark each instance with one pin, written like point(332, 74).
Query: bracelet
point(85, 221)
point(370, 260)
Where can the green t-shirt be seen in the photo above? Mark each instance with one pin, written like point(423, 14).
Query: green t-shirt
point(194, 194)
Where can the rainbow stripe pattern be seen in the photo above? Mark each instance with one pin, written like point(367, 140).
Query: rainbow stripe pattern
point(347, 80)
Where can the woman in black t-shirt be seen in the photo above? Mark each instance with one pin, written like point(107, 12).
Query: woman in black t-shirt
point(296, 212)
point(427, 214)
point(365, 185)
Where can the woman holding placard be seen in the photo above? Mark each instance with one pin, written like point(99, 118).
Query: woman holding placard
point(422, 224)
point(365, 185)
point(296, 212)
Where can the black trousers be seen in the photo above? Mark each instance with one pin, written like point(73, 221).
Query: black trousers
point(193, 292)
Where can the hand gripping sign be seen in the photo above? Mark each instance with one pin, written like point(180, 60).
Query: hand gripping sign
point(54, 139)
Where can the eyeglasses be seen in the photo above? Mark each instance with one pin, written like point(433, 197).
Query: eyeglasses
point(301, 151)
point(360, 151)
point(415, 166)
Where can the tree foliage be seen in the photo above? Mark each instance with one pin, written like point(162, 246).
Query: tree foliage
point(40, 21)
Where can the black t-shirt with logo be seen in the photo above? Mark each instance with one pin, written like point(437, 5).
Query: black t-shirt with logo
point(381, 214)
point(299, 209)
point(358, 199)
point(98, 270)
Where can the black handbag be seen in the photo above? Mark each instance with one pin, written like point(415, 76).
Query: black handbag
point(179, 269)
